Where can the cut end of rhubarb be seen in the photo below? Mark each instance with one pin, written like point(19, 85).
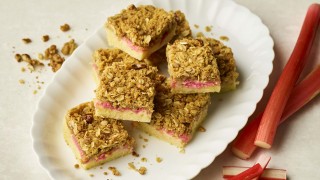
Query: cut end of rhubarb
point(262, 144)
point(239, 153)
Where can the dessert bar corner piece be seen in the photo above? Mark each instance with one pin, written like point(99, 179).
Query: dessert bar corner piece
point(192, 67)
point(226, 64)
point(95, 140)
point(126, 92)
point(177, 116)
point(141, 30)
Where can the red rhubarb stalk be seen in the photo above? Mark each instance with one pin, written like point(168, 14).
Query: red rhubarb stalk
point(249, 174)
point(243, 146)
point(255, 171)
point(268, 173)
point(291, 72)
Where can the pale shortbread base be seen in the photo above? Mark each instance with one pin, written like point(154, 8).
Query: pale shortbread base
point(123, 115)
point(117, 42)
point(181, 89)
point(169, 138)
point(122, 151)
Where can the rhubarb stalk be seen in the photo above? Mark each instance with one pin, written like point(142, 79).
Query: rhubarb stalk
point(255, 171)
point(243, 146)
point(291, 72)
point(268, 173)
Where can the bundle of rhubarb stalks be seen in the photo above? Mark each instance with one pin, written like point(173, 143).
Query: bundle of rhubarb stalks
point(287, 97)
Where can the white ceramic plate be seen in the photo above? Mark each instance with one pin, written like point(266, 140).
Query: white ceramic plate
point(228, 113)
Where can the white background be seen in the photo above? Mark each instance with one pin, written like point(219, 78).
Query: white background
point(297, 143)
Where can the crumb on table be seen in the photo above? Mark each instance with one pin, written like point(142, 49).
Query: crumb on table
point(142, 170)
point(159, 159)
point(45, 38)
point(21, 81)
point(202, 129)
point(114, 171)
point(135, 154)
point(208, 28)
point(69, 47)
point(224, 38)
point(65, 27)
point(144, 159)
point(26, 40)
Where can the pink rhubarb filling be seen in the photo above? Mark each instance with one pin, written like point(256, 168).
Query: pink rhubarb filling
point(107, 105)
point(82, 154)
point(195, 84)
point(133, 46)
point(184, 137)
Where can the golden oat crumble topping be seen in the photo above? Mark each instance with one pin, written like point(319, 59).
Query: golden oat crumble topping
point(127, 86)
point(144, 26)
point(142, 170)
point(177, 112)
point(69, 47)
point(183, 29)
point(192, 59)
point(225, 61)
point(105, 57)
point(96, 134)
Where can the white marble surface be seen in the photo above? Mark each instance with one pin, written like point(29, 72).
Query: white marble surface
point(297, 143)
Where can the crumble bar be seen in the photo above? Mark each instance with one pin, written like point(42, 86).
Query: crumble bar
point(226, 64)
point(93, 139)
point(192, 67)
point(176, 117)
point(126, 92)
point(140, 31)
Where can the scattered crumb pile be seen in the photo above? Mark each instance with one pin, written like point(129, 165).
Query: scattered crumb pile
point(51, 53)
point(142, 170)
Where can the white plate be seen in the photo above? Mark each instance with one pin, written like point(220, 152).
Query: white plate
point(73, 84)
